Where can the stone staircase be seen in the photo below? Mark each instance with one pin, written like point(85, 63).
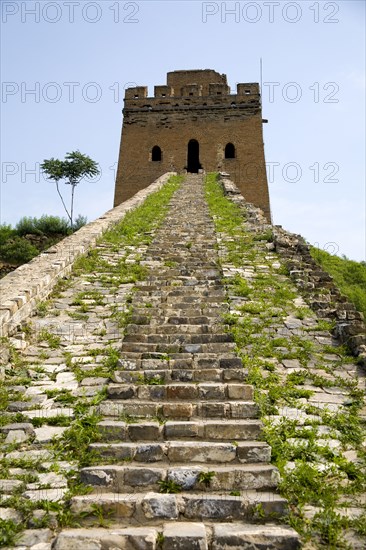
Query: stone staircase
point(181, 464)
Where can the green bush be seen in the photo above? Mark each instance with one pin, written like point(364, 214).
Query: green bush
point(45, 225)
point(17, 250)
point(6, 232)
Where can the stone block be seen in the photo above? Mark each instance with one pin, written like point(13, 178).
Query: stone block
point(240, 391)
point(121, 391)
point(155, 505)
point(149, 431)
point(231, 363)
point(97, 477)
point(201, 452)
point(213, 507)
point(239, 536)
point(114, 505)
point(177, 410)
point(248, 452)
point(112, 430)
point(136, 477)
point(180, 430)
point(149, 453)
point(212, 391)
point(188, 391)
point(132, 538)
point(184, 536)
point(184, 476)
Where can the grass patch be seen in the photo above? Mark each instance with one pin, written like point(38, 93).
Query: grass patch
point(349, 276)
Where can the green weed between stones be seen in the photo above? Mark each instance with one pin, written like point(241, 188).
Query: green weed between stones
point(52, 340)
point(9, 532)
point(205, 478)
point(318, 479)
point(169, 486)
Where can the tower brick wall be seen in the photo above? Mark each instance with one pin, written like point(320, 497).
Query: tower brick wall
point(193, 105)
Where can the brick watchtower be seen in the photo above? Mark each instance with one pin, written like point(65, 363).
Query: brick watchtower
point(193, 123)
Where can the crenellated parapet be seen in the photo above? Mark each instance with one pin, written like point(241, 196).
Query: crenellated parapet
point(195, 89)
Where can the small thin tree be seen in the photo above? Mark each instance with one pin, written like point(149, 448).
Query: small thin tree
point(73, 169)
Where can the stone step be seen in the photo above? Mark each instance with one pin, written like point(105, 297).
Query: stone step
point(165, 329)
point(145, 430)
point(146, 319)
point(182, 536)
point(136, 347)
point(183, 506)
point(194, 283)
point(164, 376)
point(178, 302)
point(182, 392)
point(174, 338)
point(241, 536)
point(215, 292)
point(236, 478)
point(213, 452)
point(135, 361)
point(162, 311)
point(182, 274)
point(174, 410)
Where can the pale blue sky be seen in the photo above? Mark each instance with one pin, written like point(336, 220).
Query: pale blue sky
point(311, 51)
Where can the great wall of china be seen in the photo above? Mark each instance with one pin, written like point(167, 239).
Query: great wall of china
point(181, 375)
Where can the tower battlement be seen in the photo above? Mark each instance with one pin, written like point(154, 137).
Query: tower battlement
point(193, 122)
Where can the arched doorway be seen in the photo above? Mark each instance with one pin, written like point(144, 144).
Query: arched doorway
point(193, 162)
point(230, 151)
point(156, 154)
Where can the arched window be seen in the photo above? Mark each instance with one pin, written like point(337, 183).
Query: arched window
point(156, 153)
point(230, 151)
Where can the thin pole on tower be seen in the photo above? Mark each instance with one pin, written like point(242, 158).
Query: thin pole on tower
point(261, 72)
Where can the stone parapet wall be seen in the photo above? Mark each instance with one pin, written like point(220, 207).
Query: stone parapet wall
point(316, 285)
point(21, 290)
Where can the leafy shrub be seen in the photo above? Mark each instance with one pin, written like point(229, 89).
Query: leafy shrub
point(17, 251)
point(53, 225)
point(45, 225)
point(6, 232)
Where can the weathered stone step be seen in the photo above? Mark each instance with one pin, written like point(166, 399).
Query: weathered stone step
point(154, 360)
point(212, 452)
point(179, 375)
point(186, 270)
point(241, 536)
point(164, 329)
point(156, 506)
point(217, 338)
point(145, 319)
point(234, 478)
point(179, 410)
point(149, 430)
point(194, 283)
point(163, 310)
point(136, 347)
point(215, 290)
point(183, 392)
point(182, 536)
